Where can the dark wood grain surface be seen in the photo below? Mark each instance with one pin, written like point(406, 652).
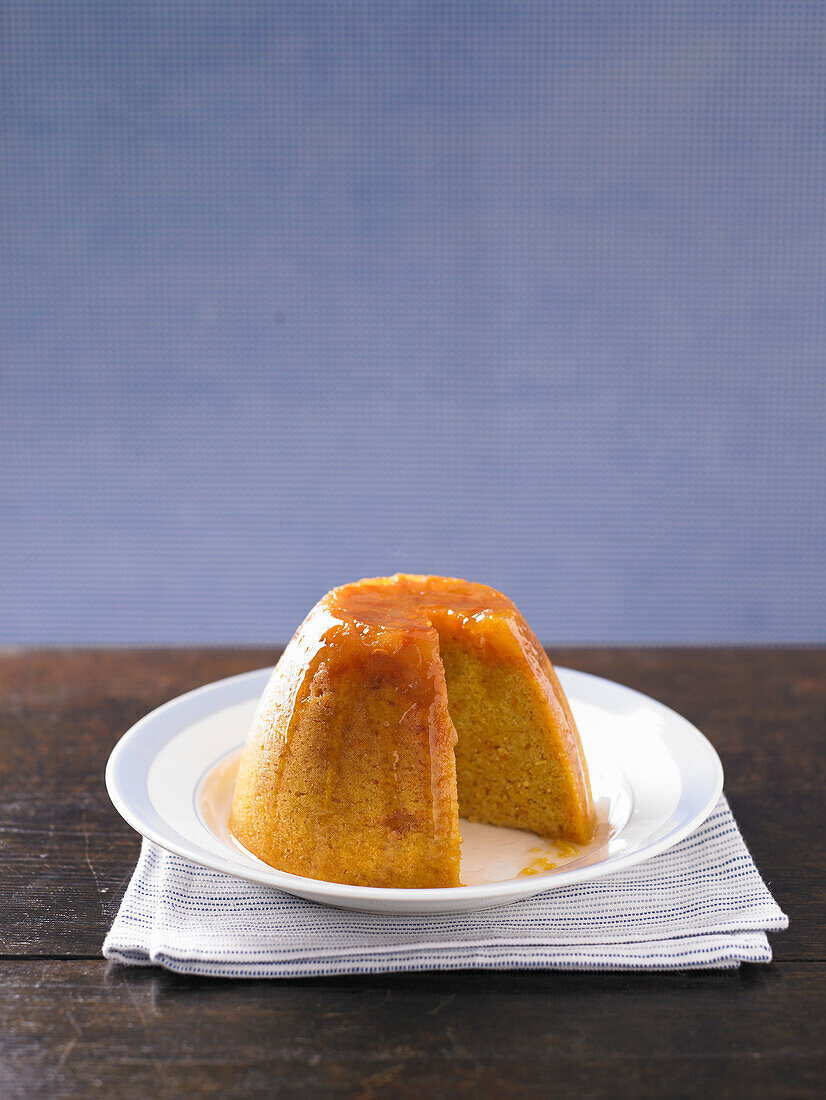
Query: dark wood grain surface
point(71, 1025)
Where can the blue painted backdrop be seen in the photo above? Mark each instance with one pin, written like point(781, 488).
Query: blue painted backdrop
point(532, 293)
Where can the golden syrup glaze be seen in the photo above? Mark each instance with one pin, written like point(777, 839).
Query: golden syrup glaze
point(390, 613)
point(408, 601)
point(328, 644)
point(539, 866)
point(392, 618)
point(402, 616)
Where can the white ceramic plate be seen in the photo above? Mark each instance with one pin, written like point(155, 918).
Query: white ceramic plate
point(655, 778)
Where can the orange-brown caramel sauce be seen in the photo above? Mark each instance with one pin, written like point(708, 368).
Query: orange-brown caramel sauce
point(410, 601)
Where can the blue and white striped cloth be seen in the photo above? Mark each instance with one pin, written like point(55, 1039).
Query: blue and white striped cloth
point(701, 904)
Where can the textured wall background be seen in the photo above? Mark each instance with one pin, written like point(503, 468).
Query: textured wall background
point(532, 293)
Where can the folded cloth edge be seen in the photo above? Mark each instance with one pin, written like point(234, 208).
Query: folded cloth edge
point(712, 952)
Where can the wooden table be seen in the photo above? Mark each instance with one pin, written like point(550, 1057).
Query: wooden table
point(71, 1025)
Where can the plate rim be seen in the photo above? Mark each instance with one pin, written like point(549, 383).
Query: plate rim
point(322, 890)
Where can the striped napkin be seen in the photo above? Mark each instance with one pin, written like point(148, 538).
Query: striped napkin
point(701, 904)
